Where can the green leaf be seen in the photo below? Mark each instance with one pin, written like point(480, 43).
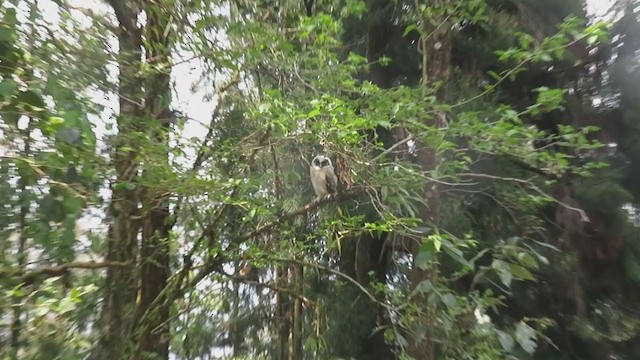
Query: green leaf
point(437, 243)
point(10, 17)
point(494, 75)
point(6, 34)
point(527, 260)
point(384, 123)
point(310, 344)
point(313, 113)
point(66, 305)
point(526, 336)
point(425, 287)
point(520, 272)
point(7, 88)
point(252, 214)
point(424, 256)
point(125, 185)
point(455, 253)
point(506, 277)
point(32, 99)
point(56, 120)
point(409, 29)
point(52, 209)
point(502, 269)
point(546, 57)
point(73, 204)
point(506, 340)
point(449, 300)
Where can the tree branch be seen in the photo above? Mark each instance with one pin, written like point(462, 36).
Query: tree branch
point(393, 147)
point(301, 211)
point(29, 277)
point(175, 287)
point(582, 213)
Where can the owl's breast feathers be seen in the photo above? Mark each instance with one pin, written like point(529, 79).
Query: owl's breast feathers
point(319, 181)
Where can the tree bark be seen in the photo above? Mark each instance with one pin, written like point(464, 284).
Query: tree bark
point(295, 347)
point(21, 254)
point(435, 48)
point(153, 335)
point(121, 285)
point(282, 312)
point(363, 255)
point(236, 336)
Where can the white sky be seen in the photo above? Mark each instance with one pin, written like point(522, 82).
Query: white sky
point(598, 7)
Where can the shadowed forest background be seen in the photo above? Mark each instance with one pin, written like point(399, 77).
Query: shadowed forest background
point(156, 200)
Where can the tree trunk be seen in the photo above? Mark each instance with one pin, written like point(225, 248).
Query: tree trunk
point(284, 277)
point(364, 259)
point(435, 48)
point(364, 255)
point(121, 284)
point(378, 38)
point(16, 326)
point(282, 312)
point(153, 335)
point(236, 336)
point(295, 347)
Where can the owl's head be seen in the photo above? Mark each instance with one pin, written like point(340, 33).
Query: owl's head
point(321, 161)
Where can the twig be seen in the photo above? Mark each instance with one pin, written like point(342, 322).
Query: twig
point(512, 71)
point(393, 147)
point(306, 84)
point(40, 172)
point(582, 213)
point(269, 285)
point(337, 273)
point(235, 78)
point(174, 288)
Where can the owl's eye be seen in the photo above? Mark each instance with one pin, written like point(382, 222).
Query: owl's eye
point(325, 163)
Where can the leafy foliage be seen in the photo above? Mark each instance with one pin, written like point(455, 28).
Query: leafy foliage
point(478, 215)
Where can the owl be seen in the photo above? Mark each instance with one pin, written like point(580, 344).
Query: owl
point(323, 178)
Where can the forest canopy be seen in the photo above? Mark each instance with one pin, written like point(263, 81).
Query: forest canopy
point(475, 193)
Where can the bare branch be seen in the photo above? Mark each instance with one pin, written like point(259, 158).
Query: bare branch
point(393, 147)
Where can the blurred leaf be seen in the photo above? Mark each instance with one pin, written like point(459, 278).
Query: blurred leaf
point(506, 341)
point(7, 87)
point(525, 336)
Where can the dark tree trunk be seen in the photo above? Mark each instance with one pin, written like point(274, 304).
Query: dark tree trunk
point(365, 255)
point(295, 347)
point(16, 326)
point(435, 48)
point(283, 319)
point(121, 283)
point(237, 337)
point(360, 258)
point(378, 38)
point(153, 335)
